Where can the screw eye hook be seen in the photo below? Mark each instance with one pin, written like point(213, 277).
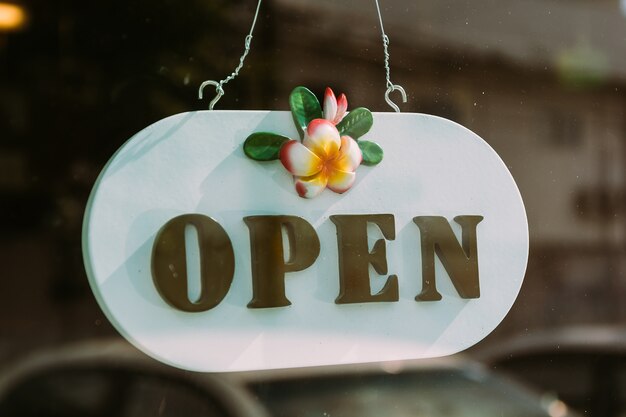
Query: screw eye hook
point(391, 89)
point(219, 91)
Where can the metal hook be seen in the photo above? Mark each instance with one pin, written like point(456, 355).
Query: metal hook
point(391, 89)
point(218, 90)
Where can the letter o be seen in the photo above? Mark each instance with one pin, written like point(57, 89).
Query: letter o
point(169, 262)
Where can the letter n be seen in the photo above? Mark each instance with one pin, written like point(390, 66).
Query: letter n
point(459, 260)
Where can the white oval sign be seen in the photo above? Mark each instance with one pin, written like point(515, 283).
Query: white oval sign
point(437, 182)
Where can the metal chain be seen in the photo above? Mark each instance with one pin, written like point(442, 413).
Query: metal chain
point(219, 86)
point(391, 87)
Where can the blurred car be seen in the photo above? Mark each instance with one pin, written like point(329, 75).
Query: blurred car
point(583, 366)
point(114, 379)
point(111, 378)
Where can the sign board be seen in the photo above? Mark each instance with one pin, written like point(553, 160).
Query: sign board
point(209, 261)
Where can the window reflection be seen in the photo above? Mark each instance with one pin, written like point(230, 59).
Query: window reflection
point(542, 81)
point(430, 393)
point(105, 392)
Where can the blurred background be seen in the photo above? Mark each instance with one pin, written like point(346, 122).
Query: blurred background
point(542, 81)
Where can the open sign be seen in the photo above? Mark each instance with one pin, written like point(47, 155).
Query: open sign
point(209, 262)
point(269, 263)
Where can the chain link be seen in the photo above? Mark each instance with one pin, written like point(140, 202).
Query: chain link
point(219, 86)
point(391, 87)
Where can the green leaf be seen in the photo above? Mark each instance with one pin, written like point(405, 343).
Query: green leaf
point(264, 146)
point(372, 152)
point(356, 123)
point(304, 108)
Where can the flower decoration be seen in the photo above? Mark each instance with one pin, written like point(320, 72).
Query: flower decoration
point(323, 159)
point(334, 109)
point(329, 150)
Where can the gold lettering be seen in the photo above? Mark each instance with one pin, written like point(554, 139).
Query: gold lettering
point(461, 262)
point(268, 259)
point(355, 258)
point(169, 262)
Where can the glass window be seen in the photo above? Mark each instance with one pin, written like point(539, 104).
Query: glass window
point(428, 393)
point(542, 81)
point(106, 392)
